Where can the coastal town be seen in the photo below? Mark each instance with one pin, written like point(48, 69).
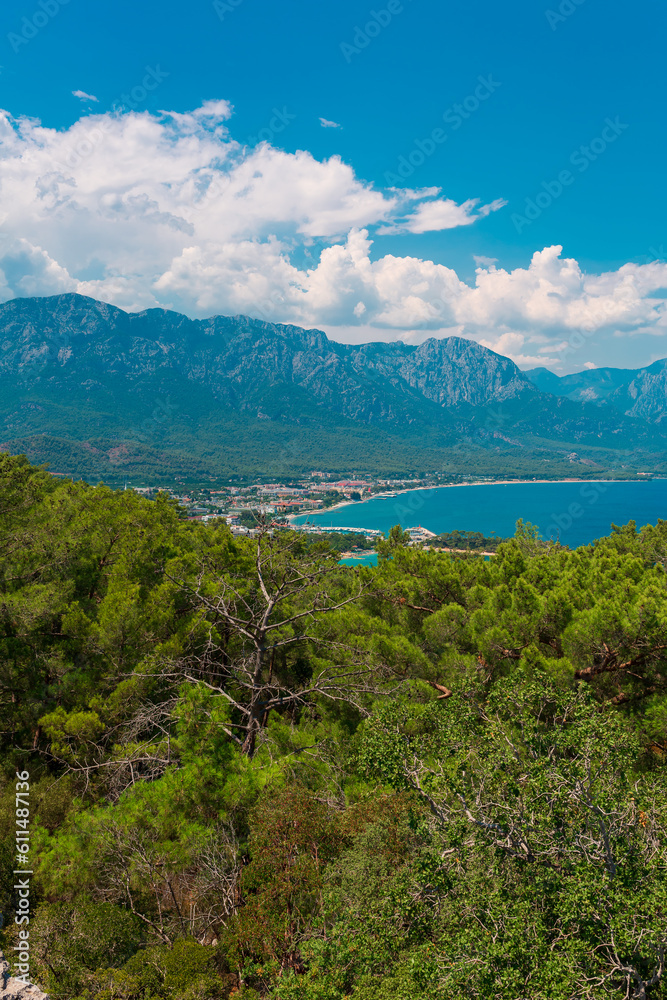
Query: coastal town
point(299, 504)
point(249, 508)
point(302, 504)
point(277, 505)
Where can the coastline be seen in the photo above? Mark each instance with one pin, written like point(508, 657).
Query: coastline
point(450, 486)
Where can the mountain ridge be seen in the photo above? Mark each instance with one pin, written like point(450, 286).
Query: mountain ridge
point(636, 392)
point(94, 379)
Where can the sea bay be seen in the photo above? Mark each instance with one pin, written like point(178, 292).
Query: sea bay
point(575, 513)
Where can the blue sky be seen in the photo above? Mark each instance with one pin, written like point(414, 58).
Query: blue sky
point(570, 90)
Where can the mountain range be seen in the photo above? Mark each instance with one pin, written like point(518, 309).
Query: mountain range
point(638, 392)
point(102, 393)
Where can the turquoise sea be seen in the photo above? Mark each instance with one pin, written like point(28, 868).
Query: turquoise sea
point(367, 559)
point(574, 513)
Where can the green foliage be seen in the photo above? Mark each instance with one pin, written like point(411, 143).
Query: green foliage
point(256, 773)
point(468, 541)
point(293, 838)
point(71, 940)
point(396, 539)
point(342, 541)
point(188, 971)
point(542, 795)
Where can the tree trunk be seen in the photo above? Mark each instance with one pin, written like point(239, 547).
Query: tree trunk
point(248, 747)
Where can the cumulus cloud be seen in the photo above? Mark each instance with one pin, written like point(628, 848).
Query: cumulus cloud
point(27, 270)
point(142, 210)
point(507, 311)
point(139, 199)
point(511, 345)
point(325, 123)
point(83, 96)
point(553, 295)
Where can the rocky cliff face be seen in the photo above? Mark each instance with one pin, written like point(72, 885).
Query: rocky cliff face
point(644, 395)
point(243, 361)
point(86, 378)
point(16, 988)
point(640, 393)
point(450, 372)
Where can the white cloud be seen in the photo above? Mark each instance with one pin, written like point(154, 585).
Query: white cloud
point(325, 123)
point(142, 198)
point(493, 206)
point(442, 214)
point(83, 96)
point(27, 270)
point(553, 295)
point(143, 210)
point(511, 345)
point(523, 314)
point(482, 261)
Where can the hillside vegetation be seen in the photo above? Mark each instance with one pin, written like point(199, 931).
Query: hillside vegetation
point(257, 773)
point(104, 394)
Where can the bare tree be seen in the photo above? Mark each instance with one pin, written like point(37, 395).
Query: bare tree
point(266, 646)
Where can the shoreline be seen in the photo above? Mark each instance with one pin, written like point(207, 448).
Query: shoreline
point(450, 486)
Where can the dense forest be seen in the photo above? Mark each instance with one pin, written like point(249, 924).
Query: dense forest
point(467, 541)
point(254, 772)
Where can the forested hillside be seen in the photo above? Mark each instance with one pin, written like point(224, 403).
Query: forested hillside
point(256, 773)
point(104, 394)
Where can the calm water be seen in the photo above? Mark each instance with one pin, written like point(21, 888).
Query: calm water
point(367, 559)
point(576, 513)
